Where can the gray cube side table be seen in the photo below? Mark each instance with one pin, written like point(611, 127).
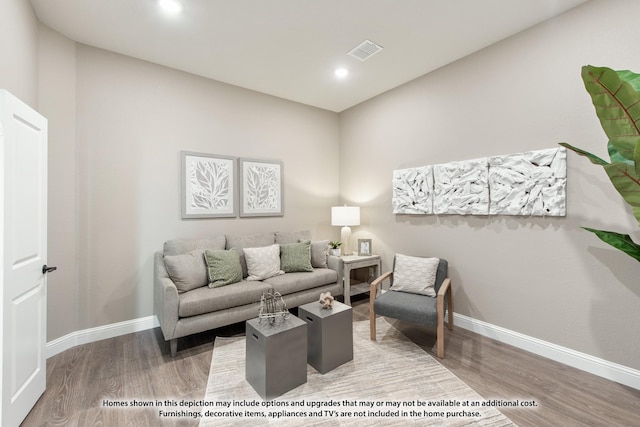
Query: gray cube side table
point(276, 356)
point(329, 335)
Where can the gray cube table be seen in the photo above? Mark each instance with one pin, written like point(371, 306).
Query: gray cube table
point(276, 356)
point(329, 335)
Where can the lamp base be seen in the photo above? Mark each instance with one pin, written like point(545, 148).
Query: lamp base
point(345, 238)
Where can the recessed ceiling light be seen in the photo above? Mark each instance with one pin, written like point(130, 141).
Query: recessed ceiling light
point(341, 73)
point(170, 6)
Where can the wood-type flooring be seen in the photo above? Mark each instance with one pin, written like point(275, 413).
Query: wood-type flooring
point(85, 382)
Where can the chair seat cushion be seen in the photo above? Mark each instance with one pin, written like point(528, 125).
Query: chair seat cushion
point(409, 307)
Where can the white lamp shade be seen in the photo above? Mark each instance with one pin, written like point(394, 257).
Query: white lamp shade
point(345, 215)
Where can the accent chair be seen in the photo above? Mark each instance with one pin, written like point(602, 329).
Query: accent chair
point(420, 292)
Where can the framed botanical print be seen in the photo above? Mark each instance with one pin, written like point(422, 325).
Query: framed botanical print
point(261, 188)
point(208, 186)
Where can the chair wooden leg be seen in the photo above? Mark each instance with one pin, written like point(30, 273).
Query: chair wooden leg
point(372, 325)
point(174, 347)
point(440, 337)
point(450, 309)
point(372, 314)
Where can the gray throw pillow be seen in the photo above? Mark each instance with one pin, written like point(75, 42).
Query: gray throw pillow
point(224, 267)
point(284, 237)
point(319, 252)
point(295, 257)
point(188, 271)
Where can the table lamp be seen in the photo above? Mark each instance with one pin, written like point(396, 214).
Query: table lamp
point(345, 216)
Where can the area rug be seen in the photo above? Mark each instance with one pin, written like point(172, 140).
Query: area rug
point(389, 382)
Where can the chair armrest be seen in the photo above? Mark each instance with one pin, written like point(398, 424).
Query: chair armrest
point(373, 291)
point(444, 293)
point(445, 287)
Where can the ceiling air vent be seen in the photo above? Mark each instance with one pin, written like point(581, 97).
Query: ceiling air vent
point(365, 50)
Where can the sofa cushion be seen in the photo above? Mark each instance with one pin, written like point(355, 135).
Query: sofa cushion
point(295, 257)
point(206, 300)
point(319, 252)
point(263, 263)
point(283, 238)
point(295, 282)
point(188, 271)
point(183, 246)
point(223, 267)
point(254, 241)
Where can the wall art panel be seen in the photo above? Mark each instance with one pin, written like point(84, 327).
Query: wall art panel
point(261, 188)
point(531, 183)
point(413, 190)
point(208, 186)
point(461, 188)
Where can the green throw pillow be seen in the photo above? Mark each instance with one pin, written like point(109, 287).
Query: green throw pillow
point(295, 257)
point(224, 267)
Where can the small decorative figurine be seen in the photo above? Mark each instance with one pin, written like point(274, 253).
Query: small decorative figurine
point(272, 307)
point(326, 300)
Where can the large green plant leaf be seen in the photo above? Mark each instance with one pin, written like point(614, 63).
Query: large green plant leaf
point(617, 102)
point(622, 175)
point(627, 182)
point(623, 149)
point(592, 157)
point(619, 241)
point(616, 97)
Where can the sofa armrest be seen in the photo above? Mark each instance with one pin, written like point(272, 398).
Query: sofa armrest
point(165, 296)
point(335, 263)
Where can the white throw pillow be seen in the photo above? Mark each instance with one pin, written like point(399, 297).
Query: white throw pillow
point(415, 274)
point(263, 263)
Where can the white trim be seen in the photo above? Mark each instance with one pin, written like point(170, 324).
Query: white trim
point(99, 333)
point(594, 365)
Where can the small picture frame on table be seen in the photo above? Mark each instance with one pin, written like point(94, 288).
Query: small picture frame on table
point(364, 247)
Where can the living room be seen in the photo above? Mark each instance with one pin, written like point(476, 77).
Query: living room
point(117, 125)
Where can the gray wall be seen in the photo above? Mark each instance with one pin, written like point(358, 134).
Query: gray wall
point(118, 126)
point(543, 277)
point(19, 50)
point(57, 101)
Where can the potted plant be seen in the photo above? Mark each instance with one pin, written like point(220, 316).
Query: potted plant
point(616, 95)
point(334, 248)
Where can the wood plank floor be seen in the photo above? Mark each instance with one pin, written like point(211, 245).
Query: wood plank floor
point(83, 380)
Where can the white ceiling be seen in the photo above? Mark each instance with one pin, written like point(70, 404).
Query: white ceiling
point(290, 48)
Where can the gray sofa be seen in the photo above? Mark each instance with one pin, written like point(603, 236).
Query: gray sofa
point(185, 303)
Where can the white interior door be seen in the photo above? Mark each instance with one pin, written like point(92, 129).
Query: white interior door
point(23, 215)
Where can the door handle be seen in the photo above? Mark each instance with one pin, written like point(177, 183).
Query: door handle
point(46, 269)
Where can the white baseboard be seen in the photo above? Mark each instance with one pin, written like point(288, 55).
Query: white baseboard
point(594, 365)
point(603, 368)
point(99, 333)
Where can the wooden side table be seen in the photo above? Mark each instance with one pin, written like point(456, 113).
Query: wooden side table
point(353, 263)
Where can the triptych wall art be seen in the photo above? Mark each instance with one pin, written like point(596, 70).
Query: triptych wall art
point(211, 188)
point(531, 183)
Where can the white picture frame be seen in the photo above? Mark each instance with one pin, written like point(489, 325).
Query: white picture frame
point(261, 187)
point(208, 186)
point(364, 247)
